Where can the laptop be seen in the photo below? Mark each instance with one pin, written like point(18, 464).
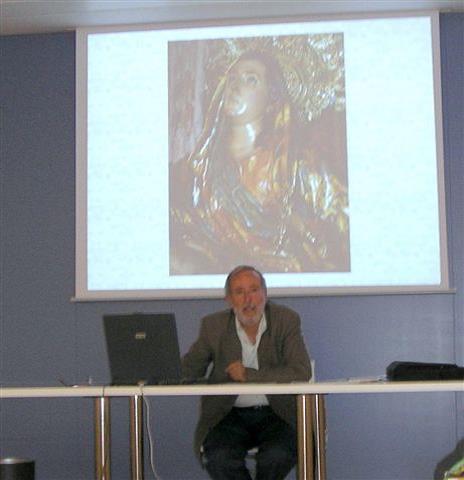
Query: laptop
point(143, 349)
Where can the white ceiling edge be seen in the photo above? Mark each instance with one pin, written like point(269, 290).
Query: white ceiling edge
point(25, 17)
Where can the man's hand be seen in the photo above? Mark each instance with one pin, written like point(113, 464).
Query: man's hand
point(236, 371)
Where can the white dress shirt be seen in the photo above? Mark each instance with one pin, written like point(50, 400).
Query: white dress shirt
point(250, 360)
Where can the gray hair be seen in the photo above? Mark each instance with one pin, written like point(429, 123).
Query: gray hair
point(240, 269)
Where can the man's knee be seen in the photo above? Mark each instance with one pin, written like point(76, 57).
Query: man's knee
point(225, 463)
point(217, 455)
point(276, 454)
point(275, 462)
point(223, 455)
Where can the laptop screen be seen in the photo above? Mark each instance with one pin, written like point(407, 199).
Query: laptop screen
point(142, 348)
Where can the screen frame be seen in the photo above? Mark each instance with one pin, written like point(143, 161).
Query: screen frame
point(82, 293)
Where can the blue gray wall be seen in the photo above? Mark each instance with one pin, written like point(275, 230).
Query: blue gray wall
point(45, 337)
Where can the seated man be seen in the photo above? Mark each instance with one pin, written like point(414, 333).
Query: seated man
point(253, 341)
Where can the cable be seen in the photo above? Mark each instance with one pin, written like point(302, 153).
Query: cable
point(150, 438)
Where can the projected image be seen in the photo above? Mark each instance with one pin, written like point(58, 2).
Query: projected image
point(257, 152)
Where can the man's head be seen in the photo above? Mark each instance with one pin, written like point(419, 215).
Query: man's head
point(246, 293)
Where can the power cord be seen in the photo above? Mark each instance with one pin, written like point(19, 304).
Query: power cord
point(150, 438)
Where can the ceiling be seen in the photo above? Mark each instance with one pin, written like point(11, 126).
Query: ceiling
point(42, 16)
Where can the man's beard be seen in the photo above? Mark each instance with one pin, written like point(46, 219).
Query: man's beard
point(248, 321)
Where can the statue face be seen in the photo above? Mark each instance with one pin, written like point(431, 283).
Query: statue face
point(246, 91)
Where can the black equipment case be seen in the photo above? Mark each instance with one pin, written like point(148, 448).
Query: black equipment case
point(404, 371)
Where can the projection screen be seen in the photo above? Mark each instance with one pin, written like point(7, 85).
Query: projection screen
point(311, 149)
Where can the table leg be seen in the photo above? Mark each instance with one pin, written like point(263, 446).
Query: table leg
point(320, 435)
point(136, 437)
point(102, 438)
point(311, 437)
point(305, 437)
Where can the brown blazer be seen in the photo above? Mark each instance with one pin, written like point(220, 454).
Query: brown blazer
point(282, 358)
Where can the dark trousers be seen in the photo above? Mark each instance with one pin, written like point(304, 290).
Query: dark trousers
point(226, 445)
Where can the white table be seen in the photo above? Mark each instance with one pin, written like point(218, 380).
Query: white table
point(310, 412)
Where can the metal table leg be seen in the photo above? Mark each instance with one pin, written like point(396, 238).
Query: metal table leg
point(136, 437)
point(102, 438)
point(305, 437)
point(320, 436)
point(311, 437)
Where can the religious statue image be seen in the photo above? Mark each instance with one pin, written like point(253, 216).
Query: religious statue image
point(258, 166)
